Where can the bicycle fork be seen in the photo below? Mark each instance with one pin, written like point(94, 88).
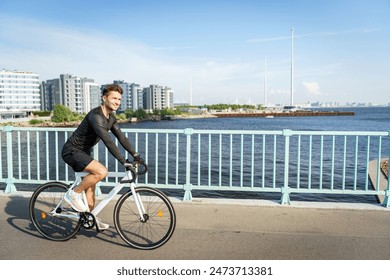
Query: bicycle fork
point(143, 216)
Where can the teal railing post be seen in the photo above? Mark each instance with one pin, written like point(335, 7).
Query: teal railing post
point(10, 188)
point(188, 186)
point(386, 200)
point(286, 189)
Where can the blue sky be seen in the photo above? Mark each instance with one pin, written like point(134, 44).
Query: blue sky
point(341, 48)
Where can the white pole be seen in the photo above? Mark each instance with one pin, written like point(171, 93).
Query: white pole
point(190, 91)
point(265, 81)
point(292, 67)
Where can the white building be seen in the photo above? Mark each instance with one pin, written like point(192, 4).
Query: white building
point(132, 97)
point(136, 97)
point(19, 93)
point(78, 94)
point(91, 96)
point(158, 97)
point(72, 92)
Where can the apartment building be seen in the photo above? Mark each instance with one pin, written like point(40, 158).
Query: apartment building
point(78, 94)
point(137, 97)
point(158, 97)
point(19, 93)
point(71, 92)
point(132, 97)
point(50, 94)
point(91, 95)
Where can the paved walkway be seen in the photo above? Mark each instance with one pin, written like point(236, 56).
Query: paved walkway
point(217, 230)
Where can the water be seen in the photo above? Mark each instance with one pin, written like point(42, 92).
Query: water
point(365, 119)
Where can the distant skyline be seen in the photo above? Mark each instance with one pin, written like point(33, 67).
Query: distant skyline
point(215, 48)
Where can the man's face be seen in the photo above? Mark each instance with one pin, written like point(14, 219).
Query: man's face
point(113, 100)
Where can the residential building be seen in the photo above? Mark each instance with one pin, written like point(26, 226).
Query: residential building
point(50, 94)
point(19, 93)
point(78, 94)
point(91, 95)
point(132, 97)
point(158, 97)
point(72, 92)
point(137, 97)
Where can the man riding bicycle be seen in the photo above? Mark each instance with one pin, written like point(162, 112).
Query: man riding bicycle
point(76, 152)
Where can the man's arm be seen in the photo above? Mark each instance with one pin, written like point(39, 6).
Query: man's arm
point(98, 124)
point(123, 139)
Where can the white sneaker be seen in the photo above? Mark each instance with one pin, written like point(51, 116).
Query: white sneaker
point(101, 226)
point(76, 201)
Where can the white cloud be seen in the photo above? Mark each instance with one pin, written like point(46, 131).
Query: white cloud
point(312, 88)
point(52, 50)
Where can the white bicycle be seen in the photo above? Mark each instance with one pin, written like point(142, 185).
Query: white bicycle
point(143, 216)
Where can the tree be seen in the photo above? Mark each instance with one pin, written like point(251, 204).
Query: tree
point(169, 112)
point(61, 113)
point(140, 113)
point(129, 113)
point(121, 116)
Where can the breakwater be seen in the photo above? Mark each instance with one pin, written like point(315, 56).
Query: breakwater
point(282, 114)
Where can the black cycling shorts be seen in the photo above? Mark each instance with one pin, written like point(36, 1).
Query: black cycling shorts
point(76, 158)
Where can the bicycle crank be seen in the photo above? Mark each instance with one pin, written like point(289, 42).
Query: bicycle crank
point(88, 220)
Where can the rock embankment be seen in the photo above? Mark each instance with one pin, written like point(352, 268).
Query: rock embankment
point(385, 168)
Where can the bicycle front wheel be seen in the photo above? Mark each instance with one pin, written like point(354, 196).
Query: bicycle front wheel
point(52, 216)
point(158, 222)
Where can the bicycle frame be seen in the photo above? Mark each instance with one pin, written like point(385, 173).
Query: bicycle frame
point(100, 206)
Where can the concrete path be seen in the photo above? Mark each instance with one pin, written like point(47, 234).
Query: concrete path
point(217, 230)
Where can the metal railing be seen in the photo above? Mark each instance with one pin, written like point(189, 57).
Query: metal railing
point(286, 162)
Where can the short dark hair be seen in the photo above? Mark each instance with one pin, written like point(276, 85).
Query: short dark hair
point(112, 87)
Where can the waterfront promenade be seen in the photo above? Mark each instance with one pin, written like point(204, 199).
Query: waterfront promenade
point(210, 229)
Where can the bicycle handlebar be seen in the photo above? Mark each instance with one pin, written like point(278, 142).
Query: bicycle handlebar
point(138, 168)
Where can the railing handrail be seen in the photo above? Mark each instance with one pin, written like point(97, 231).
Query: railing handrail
point(215, 131)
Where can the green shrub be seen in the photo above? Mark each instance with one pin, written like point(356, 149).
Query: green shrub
point(35, 122)
point(42, 113)
point(121, 116)
point(62, 113)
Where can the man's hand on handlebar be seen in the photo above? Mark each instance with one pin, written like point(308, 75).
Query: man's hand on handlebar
point(138, 158)
point(138, 166)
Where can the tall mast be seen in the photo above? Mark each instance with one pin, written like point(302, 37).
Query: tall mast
point(190, 91)
point(265, 81)
point(292, 67)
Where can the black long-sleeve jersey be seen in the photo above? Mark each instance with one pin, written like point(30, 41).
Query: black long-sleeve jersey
point(95, 126)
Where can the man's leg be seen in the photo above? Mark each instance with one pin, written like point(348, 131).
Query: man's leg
point(97, 172)
point(90, 194)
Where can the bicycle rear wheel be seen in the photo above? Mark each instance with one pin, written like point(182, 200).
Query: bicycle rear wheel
point(52, 216)
point(159, 223)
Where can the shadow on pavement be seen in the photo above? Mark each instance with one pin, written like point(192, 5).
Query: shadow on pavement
point(17, 209)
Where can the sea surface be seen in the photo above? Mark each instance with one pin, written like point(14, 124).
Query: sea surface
point(364, 119)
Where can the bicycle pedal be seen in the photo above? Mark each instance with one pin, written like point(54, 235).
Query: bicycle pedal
point(99, 230)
